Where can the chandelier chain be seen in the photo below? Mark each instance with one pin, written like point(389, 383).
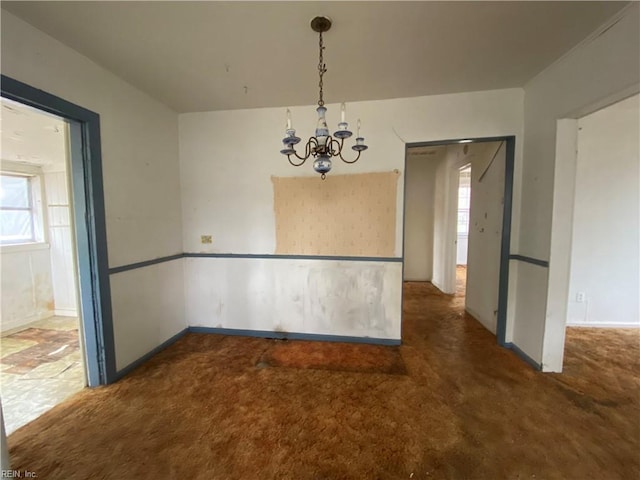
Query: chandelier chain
point(322, 68)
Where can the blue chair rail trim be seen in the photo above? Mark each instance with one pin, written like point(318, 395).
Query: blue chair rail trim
point(146, 263)
point(294, 257)
point(531, 260)
point(177, 256)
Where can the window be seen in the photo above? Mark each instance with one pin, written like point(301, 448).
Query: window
point(463, 222)
point(464, 200)
point(19, 220)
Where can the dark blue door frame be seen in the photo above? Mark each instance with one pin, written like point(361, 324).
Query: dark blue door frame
point(505, 245)
point(90, 227)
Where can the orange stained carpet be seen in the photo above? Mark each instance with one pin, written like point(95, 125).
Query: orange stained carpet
point(209, 408)
point(346, 357)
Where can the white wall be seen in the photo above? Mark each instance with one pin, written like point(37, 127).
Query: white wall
point(225, 178)
point(140, 167)
point(27, 292)
point(485, 234)
point(445, 220)
point(61, 243)
point(605, 254)
point(227, 159)
point(461, 249)
point(149, 310)
point(603, 69)
point(419, 217)
point(323, 297)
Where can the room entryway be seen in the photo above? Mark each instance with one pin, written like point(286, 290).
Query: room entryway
point(83, 214)
point(40, 355)
point(462, 234)
point(602, 283)
point(457, 223)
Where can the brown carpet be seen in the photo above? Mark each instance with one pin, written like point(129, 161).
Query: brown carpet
point(52, 346)
point(466, 409)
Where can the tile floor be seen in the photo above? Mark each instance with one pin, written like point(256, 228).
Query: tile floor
point(40, 366)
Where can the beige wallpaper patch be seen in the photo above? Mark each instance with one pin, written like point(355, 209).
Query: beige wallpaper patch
point(346, 215)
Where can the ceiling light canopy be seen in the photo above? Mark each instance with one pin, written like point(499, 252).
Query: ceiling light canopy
point(322, 146)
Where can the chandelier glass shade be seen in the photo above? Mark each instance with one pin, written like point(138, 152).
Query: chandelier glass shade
point(322, 146)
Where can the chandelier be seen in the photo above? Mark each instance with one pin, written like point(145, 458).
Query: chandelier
point(322, 147)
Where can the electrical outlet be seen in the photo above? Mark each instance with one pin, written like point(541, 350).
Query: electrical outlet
point(580, 296)
point(206, 239)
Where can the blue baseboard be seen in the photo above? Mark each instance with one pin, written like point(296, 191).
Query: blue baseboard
point(523, 356)
point(132, 366)
point(289, 336)
point(295, 336)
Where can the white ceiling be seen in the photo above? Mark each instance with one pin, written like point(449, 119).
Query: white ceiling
point(200, 56)
point(31, 136)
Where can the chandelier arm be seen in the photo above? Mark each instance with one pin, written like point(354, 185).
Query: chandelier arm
point(307, 153)
point(338, 150)
point(312, 147)
point(296, 164)
point(348, 161)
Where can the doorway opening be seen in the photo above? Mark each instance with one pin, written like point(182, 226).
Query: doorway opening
point(87, 215)
point(457, 227)
point(602, 283)
point(462, 234)
point(41, 360)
